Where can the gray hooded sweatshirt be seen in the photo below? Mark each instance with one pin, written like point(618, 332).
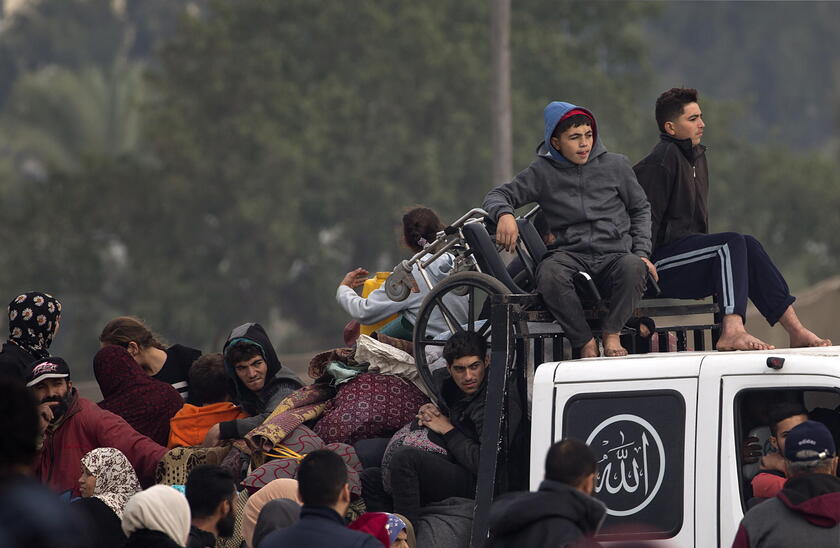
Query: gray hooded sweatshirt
point(595, 208)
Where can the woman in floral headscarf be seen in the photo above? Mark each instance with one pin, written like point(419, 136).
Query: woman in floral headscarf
point(106, 484)
point(33, 322)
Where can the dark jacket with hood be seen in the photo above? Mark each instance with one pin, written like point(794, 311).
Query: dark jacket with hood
point(15, 361)
point(805, 513)
point(556, 515)
point(466, 413)
point(279, 383)
point(595, 208)
point(676, 180)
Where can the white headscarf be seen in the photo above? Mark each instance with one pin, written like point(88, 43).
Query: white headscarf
point(116, 480)
point(158, 508)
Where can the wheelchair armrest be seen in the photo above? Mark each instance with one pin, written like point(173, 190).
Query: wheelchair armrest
point(653, 289)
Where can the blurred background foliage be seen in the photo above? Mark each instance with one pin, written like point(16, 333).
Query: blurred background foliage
point(201, 163)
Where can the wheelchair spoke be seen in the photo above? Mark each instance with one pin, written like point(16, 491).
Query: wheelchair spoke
point(453, 321)
point(471, 309)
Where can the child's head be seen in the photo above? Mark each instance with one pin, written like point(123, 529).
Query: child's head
point(208, 382)
point(573, 137)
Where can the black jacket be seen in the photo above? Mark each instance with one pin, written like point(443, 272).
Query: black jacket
point(556, 515)
point(145, 538)
point(15, 361)
point(200, 538)
point(279, 383)
point(319, 527)
point(676, 180)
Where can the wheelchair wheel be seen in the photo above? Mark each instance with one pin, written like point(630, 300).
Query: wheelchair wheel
point(462, 300)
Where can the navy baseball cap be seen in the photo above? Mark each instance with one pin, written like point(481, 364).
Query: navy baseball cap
point(810, 441)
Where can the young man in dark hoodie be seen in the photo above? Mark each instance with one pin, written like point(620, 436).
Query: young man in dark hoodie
point(599, 215)
point(806, 512)
point(261, 382)
point(561, 512)
point(694, 263)
point(419, 478)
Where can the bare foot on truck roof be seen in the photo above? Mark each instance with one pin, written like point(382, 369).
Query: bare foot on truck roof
point(741, 341)
point(806, 338)
point(612, 346)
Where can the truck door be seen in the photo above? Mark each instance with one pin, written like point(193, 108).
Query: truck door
point(643, 433)
point(736, 394)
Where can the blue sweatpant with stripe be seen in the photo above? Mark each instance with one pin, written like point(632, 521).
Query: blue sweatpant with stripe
point(730, 265)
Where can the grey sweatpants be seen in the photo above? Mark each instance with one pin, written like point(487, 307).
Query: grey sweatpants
point(620, 277)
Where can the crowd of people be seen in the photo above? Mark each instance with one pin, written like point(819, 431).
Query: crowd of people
point(232, 449)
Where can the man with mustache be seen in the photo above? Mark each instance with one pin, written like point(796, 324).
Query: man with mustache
point(71, 426)
point(210, 490)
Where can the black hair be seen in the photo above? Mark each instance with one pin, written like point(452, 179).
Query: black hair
point(207, 486)
point(242, 351)
point(321, 476)
point(783, 411)
point(464, 343)
point(19, 424)
point(569, 461)
point(208, 381)
point(669, 105)
point(571, 121)
point(420, 222)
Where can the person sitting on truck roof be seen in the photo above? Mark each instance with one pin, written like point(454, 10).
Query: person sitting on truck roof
point(420, 226)
point(561, 512)
point(601, 218)
point(693, 263)
point(419, 477)
point(771, 476)
point(806, 512)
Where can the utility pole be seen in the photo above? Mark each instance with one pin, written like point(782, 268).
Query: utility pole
point(500, 109)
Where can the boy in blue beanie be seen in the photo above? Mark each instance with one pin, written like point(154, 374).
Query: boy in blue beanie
point(599, 215)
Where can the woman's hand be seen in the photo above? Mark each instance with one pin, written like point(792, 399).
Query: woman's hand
point(355, 278)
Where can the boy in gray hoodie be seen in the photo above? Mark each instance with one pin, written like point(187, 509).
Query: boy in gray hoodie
point(599, 215)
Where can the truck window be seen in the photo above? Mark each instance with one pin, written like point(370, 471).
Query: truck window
point(752, 410)
point(639, 439)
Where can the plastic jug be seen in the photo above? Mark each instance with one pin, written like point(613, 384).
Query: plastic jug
point(370, 285)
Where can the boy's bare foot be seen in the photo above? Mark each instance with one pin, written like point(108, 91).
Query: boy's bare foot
point(804, 338)
point(741, 340)
point(590, 349)
point(612, 346)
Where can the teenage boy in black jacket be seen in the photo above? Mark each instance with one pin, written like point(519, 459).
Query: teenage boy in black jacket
point(693, 263)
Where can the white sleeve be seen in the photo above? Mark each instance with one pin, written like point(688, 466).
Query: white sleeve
point(376, 307)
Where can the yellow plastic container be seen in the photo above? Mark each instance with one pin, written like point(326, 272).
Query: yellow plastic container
point(367, 289)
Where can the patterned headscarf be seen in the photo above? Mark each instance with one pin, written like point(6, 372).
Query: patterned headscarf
point(33, 319)
point(116, 480)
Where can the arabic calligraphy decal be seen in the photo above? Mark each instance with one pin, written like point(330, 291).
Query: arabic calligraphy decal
point(631, 463)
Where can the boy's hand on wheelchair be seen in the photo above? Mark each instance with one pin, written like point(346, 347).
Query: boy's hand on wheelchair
point(507, 233)
point(355, 278)
point(651, 268)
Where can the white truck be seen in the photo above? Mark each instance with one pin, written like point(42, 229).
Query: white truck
point(668, 431)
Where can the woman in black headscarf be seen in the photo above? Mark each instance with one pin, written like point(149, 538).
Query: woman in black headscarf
point(33, 322)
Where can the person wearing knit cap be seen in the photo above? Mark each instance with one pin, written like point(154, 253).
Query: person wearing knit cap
point(693, 263)
point(599, 216)
point(806, 512)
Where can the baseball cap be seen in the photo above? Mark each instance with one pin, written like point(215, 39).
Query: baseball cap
point(47, 368)
point(809, 441)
